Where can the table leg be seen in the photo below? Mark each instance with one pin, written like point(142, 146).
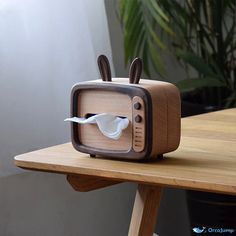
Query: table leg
point(146, 205)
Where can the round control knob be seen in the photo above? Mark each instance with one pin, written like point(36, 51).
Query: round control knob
point(138, 119)
point(137, 105)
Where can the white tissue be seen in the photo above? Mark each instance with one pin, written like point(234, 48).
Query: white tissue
point(110, 126)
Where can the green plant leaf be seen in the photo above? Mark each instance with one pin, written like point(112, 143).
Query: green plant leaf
point(195, 83)
point(139, 34)
point(229, 37)
point(159, 19)
point(196, 62)
point(131, 39)
point(156, 60)
point(145, 57)
point(155, 37)
point(133, 27)
point(178, 15)
point(131, 13)
point(159, 10)
point(122, 8)
point(141, 39)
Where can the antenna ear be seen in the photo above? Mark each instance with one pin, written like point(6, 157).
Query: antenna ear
point(104, 68)
point(135, 71)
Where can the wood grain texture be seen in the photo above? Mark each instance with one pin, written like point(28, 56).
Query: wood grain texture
point(84, 183)
point(205, 160)
point(97, 102)
point(145, 210)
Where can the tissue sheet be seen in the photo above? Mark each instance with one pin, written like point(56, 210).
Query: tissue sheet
point(109, 125)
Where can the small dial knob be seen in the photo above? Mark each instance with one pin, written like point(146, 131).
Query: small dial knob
point(138, 119)
point(137, 105)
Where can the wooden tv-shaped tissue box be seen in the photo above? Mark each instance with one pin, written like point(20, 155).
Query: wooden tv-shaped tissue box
point(151, 107)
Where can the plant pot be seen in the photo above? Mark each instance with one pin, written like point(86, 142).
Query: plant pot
point(191, 109)
point(203, 100)
point(213, 214)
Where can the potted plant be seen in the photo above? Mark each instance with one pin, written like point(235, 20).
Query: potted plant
point(201, 34)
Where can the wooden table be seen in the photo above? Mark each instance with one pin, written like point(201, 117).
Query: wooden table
point(205, 160)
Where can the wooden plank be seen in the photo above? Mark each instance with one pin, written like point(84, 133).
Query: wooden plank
point(146, 205)
point(205, 160)
point(84, 183)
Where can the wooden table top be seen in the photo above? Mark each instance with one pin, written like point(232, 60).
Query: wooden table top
point(205, 160)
